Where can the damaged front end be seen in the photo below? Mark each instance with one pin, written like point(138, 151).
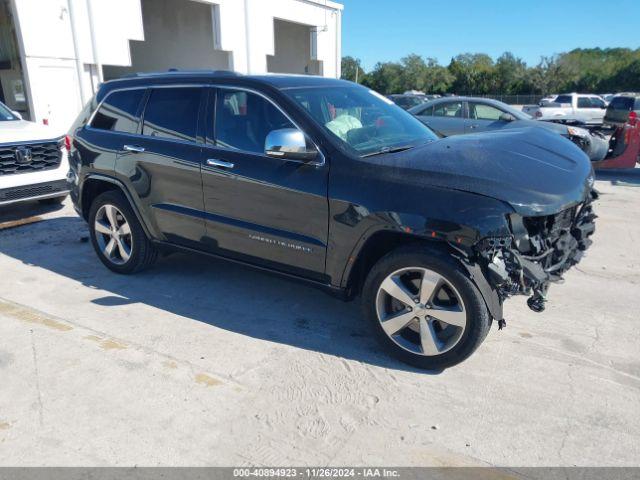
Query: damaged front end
point(539, 251)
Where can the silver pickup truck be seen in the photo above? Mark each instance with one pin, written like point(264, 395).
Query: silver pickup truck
point(587, 108)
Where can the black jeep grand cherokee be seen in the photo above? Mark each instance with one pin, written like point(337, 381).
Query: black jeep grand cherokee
point(329, 182)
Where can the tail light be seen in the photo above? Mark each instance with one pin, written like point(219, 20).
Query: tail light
point(45, 121)
point(633, 118)
point(67, 143)
point(538, 114)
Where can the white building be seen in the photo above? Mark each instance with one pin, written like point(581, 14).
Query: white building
point(54, 53)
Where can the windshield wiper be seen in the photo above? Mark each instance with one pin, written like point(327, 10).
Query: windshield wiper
point(388, 150)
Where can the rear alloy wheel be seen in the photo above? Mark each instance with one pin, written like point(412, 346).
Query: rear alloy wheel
point(113, 234)
point(117, 236)
point(424, 308)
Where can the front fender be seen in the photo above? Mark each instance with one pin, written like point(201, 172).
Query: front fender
point(449, 216)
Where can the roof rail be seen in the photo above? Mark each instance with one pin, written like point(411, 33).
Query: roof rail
point(176, 71)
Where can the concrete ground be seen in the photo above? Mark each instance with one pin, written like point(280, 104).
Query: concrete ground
point(200, 362)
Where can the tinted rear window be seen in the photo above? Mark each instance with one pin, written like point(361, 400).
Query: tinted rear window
point(118, 112)
point(563, 99)
point(622, 103)
point(172, 113)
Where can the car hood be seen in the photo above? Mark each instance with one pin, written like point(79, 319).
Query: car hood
point(532, 169)
point(551, 126)
point(22, 131)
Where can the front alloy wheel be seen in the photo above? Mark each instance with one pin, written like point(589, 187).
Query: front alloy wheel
point(424, 307)
point(421, 311)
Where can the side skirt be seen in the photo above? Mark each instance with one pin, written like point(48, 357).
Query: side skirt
point(336, 292)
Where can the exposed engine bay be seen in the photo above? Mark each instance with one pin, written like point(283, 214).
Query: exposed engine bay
point(540, 250)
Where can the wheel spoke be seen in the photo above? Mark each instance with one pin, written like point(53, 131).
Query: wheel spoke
point(111, 212)
point(451, 315)
point(124, 229)
point(125, 253)
point(429, 286)
point(110, 247)
point(393, 286)
point(102, 227)
point(394, 324)
point(428, 340)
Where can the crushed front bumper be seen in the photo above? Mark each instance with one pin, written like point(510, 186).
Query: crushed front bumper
point(539, 252)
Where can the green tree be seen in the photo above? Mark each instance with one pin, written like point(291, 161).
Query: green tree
point(510, 74)
point(413, 72)
point(385, 78)
point(437, 78)
point(583, 70)
point(352, 69)
point(474, 73)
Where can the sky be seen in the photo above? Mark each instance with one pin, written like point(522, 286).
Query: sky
point(386, 30)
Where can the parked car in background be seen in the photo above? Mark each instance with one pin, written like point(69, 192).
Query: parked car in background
point(548, 100)
point(330, 183)
point(423, 96)
point(623, 121)
point(33, 161)
point(426, 98)
point(587, 108)
point(621, 109)
point(459, 115)
point(406, 101)
point(607, 97)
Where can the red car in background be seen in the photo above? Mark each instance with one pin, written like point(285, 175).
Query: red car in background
point(623, 120)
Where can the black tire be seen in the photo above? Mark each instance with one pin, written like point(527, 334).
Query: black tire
point(143, 252)
point(478, 319)
point(53, 200)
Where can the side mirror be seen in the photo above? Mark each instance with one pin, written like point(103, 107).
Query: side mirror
point(289, 144)
point(17, 114)
point(507, 117)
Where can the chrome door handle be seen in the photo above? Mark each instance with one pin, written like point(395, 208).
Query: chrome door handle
point(133, 148)
point(212, 162)
point(474, 126)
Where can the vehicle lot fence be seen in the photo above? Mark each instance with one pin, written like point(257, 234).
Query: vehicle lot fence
point(515, 99)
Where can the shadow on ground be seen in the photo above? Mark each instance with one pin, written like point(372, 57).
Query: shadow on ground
point(222, 294)
point(26, 210)
point(620, 177)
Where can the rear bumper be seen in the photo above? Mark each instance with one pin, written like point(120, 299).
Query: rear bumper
point(38, 191)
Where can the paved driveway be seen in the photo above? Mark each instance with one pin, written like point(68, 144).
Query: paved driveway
point(200, 362)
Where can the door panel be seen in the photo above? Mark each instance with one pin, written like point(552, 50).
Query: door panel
point(265, 210)
point(447, 118)
point(483, 118)
point(163, 165)
point(590, 109)
point(167, 179)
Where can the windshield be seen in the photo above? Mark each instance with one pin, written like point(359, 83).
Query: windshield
point(6, 114)
point(362, 119)
point(519, 114)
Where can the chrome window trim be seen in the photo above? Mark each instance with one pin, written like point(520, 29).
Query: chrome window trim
point(320, 163)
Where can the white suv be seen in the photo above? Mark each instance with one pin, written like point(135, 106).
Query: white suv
point(33, 161)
